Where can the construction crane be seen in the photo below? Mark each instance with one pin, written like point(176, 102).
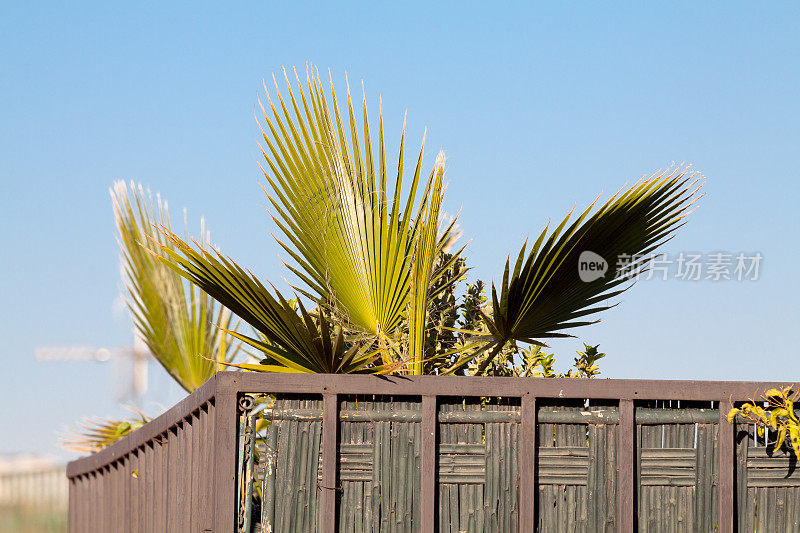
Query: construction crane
point(131, 364)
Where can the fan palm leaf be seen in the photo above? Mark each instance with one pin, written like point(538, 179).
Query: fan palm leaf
point(353, 240)
point(175, 319)
point(544, 296)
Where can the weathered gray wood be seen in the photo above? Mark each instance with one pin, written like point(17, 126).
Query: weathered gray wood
point(330, 442)
point(269, 459)
point(726, 470)
point(428, 474)
point(528, 447)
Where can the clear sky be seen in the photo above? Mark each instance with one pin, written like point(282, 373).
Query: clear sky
point(538, 108)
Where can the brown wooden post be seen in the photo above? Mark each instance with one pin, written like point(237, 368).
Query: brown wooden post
point(330, 450)
point(527, 467)
point(727, 464)
point(225, 444)
point(627, 463)
point(428, 474)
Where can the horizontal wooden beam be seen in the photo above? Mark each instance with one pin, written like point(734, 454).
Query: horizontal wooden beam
point(471, 386)
point(549, 416)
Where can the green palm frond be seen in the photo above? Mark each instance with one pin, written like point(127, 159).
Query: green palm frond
point(544, 295)
point(296, 343)
point(425, 253)
point(176, 320)
point(352, 238)
point(95, 434)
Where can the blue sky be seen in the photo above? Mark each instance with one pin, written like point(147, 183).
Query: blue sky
point(538, 108)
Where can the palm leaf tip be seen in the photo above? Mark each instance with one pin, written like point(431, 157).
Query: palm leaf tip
point(545, 295)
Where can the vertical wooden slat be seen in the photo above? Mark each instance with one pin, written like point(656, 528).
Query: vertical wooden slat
point(135, 518)
point(87, 499)
point(119, 495)
point(73, 495)
point(527, 464)
point(128, 490)
point(185, 479)
point(105, 497)
point(172, 483)
point(330, 447)
point(194, 479)
point(205, 514)
point(726, 466)
point(428, 474)
point(83, 505)
point(101, 501)
point(86, 495)
point(225, 424)
point(158, 483)
point(742, 434)
point(307, 489)
point(627, 463)
point(147, 499)
point(111, 497)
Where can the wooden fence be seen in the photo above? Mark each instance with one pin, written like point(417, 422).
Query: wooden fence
point(33, 498)
point(271, 452)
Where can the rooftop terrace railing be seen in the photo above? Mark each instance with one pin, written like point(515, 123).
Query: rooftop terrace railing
point(289, 452)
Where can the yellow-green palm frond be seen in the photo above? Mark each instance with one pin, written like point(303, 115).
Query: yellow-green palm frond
point(93, 435)
point(178, 322)
point(353, 238)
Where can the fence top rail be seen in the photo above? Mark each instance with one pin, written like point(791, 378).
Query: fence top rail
point(146, 433)
point(555, 388)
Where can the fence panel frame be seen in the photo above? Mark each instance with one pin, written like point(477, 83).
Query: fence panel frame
point(222, 392)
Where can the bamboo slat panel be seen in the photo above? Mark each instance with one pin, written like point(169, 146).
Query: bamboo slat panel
point(478, 465)
point(677, 466)
point(576, 465)
point(768, 484)
point(287, 470)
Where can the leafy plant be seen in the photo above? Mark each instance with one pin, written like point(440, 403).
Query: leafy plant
point(779, 416)
point(586, 363)
point(536, 363)
point(93, 435)
point(374, 260)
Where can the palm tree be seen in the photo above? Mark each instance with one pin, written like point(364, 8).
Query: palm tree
point(370, 257)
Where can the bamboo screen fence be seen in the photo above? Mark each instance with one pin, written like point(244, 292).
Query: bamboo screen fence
point(273, 453)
